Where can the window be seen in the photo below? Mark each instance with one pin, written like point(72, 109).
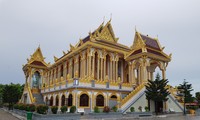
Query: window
point(63, 100)
point(51, 101)
point(70, 100)
point(84, 100)
point(61, 71)
point(100, 100)
point(114, 97)
point(57, 100)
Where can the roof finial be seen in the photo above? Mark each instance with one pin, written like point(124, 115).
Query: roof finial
point(110, 17)
point(135, 29)
point(103, 19)
point(157, 37)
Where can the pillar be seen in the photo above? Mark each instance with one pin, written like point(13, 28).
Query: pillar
point(98, 68)
point(151, 76)
point(91, 101)
point(113, 71)
point(116, 75)
point(163, 74)
point(104, 68)
point(89, 65)
point(54, 100)
point(93, 61)
point(101, 69)
point(59, 102)
point(133, 76)
point(64, 70)
point(110, 70)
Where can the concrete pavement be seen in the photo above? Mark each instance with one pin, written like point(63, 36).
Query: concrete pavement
point(8, 115)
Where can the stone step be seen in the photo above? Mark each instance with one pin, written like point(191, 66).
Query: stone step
point(39, 98)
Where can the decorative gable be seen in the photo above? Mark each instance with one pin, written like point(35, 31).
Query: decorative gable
point(37, 58)
point(104, 33)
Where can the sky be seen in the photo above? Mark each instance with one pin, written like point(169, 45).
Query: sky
point(54, 24)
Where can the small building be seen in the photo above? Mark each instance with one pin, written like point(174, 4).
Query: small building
point(97, 71)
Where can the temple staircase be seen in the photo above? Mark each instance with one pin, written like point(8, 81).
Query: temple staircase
point(132, 97)
point(38, 98)
point(181, 106)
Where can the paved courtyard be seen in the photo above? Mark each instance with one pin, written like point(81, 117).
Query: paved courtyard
point(152, 118)
point(6, 116)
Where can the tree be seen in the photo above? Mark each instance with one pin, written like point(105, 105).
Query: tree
point(156, 91)
point(12, 93)
point(197, 95)
point(185, 90)
point(1, 94)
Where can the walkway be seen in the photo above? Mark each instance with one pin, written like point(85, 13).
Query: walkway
point(6, 116)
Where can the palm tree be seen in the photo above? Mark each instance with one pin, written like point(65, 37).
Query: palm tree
point(156, 91)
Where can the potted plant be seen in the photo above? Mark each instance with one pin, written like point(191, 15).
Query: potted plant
point(54, 109)
point(140, 108)
point(73, 109)
point(63, 109)
point(114, 108)
point(132, 109)
point(106, 109)
point(146, 109)
point(96, 109)
point(42, 109)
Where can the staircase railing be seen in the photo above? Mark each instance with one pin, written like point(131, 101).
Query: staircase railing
point(30, 94)
point(130, 95)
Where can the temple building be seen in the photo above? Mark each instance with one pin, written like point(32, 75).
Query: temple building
point(98, 71)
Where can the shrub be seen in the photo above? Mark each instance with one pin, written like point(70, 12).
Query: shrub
point(16, 106)
point(73, 109)
point(42, 109)
point(30, 107)
point(114, 108)
point(146, 109)
point(96, 109)
point(22, 106)
point(132, 109)
point(63, 109)
point(106, 109)
point(140, 108)
point(54, 109)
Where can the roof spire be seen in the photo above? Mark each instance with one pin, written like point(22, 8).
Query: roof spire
point(103, 19)
point(135, 29)
point(110, 17)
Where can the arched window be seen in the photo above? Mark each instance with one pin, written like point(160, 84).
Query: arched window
point(57, 100)
point(84, 100)
point(70, 100)
point(100, 100)
point(46, 100)
point(63, 100)
point(51, 101)
point(113, 97)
